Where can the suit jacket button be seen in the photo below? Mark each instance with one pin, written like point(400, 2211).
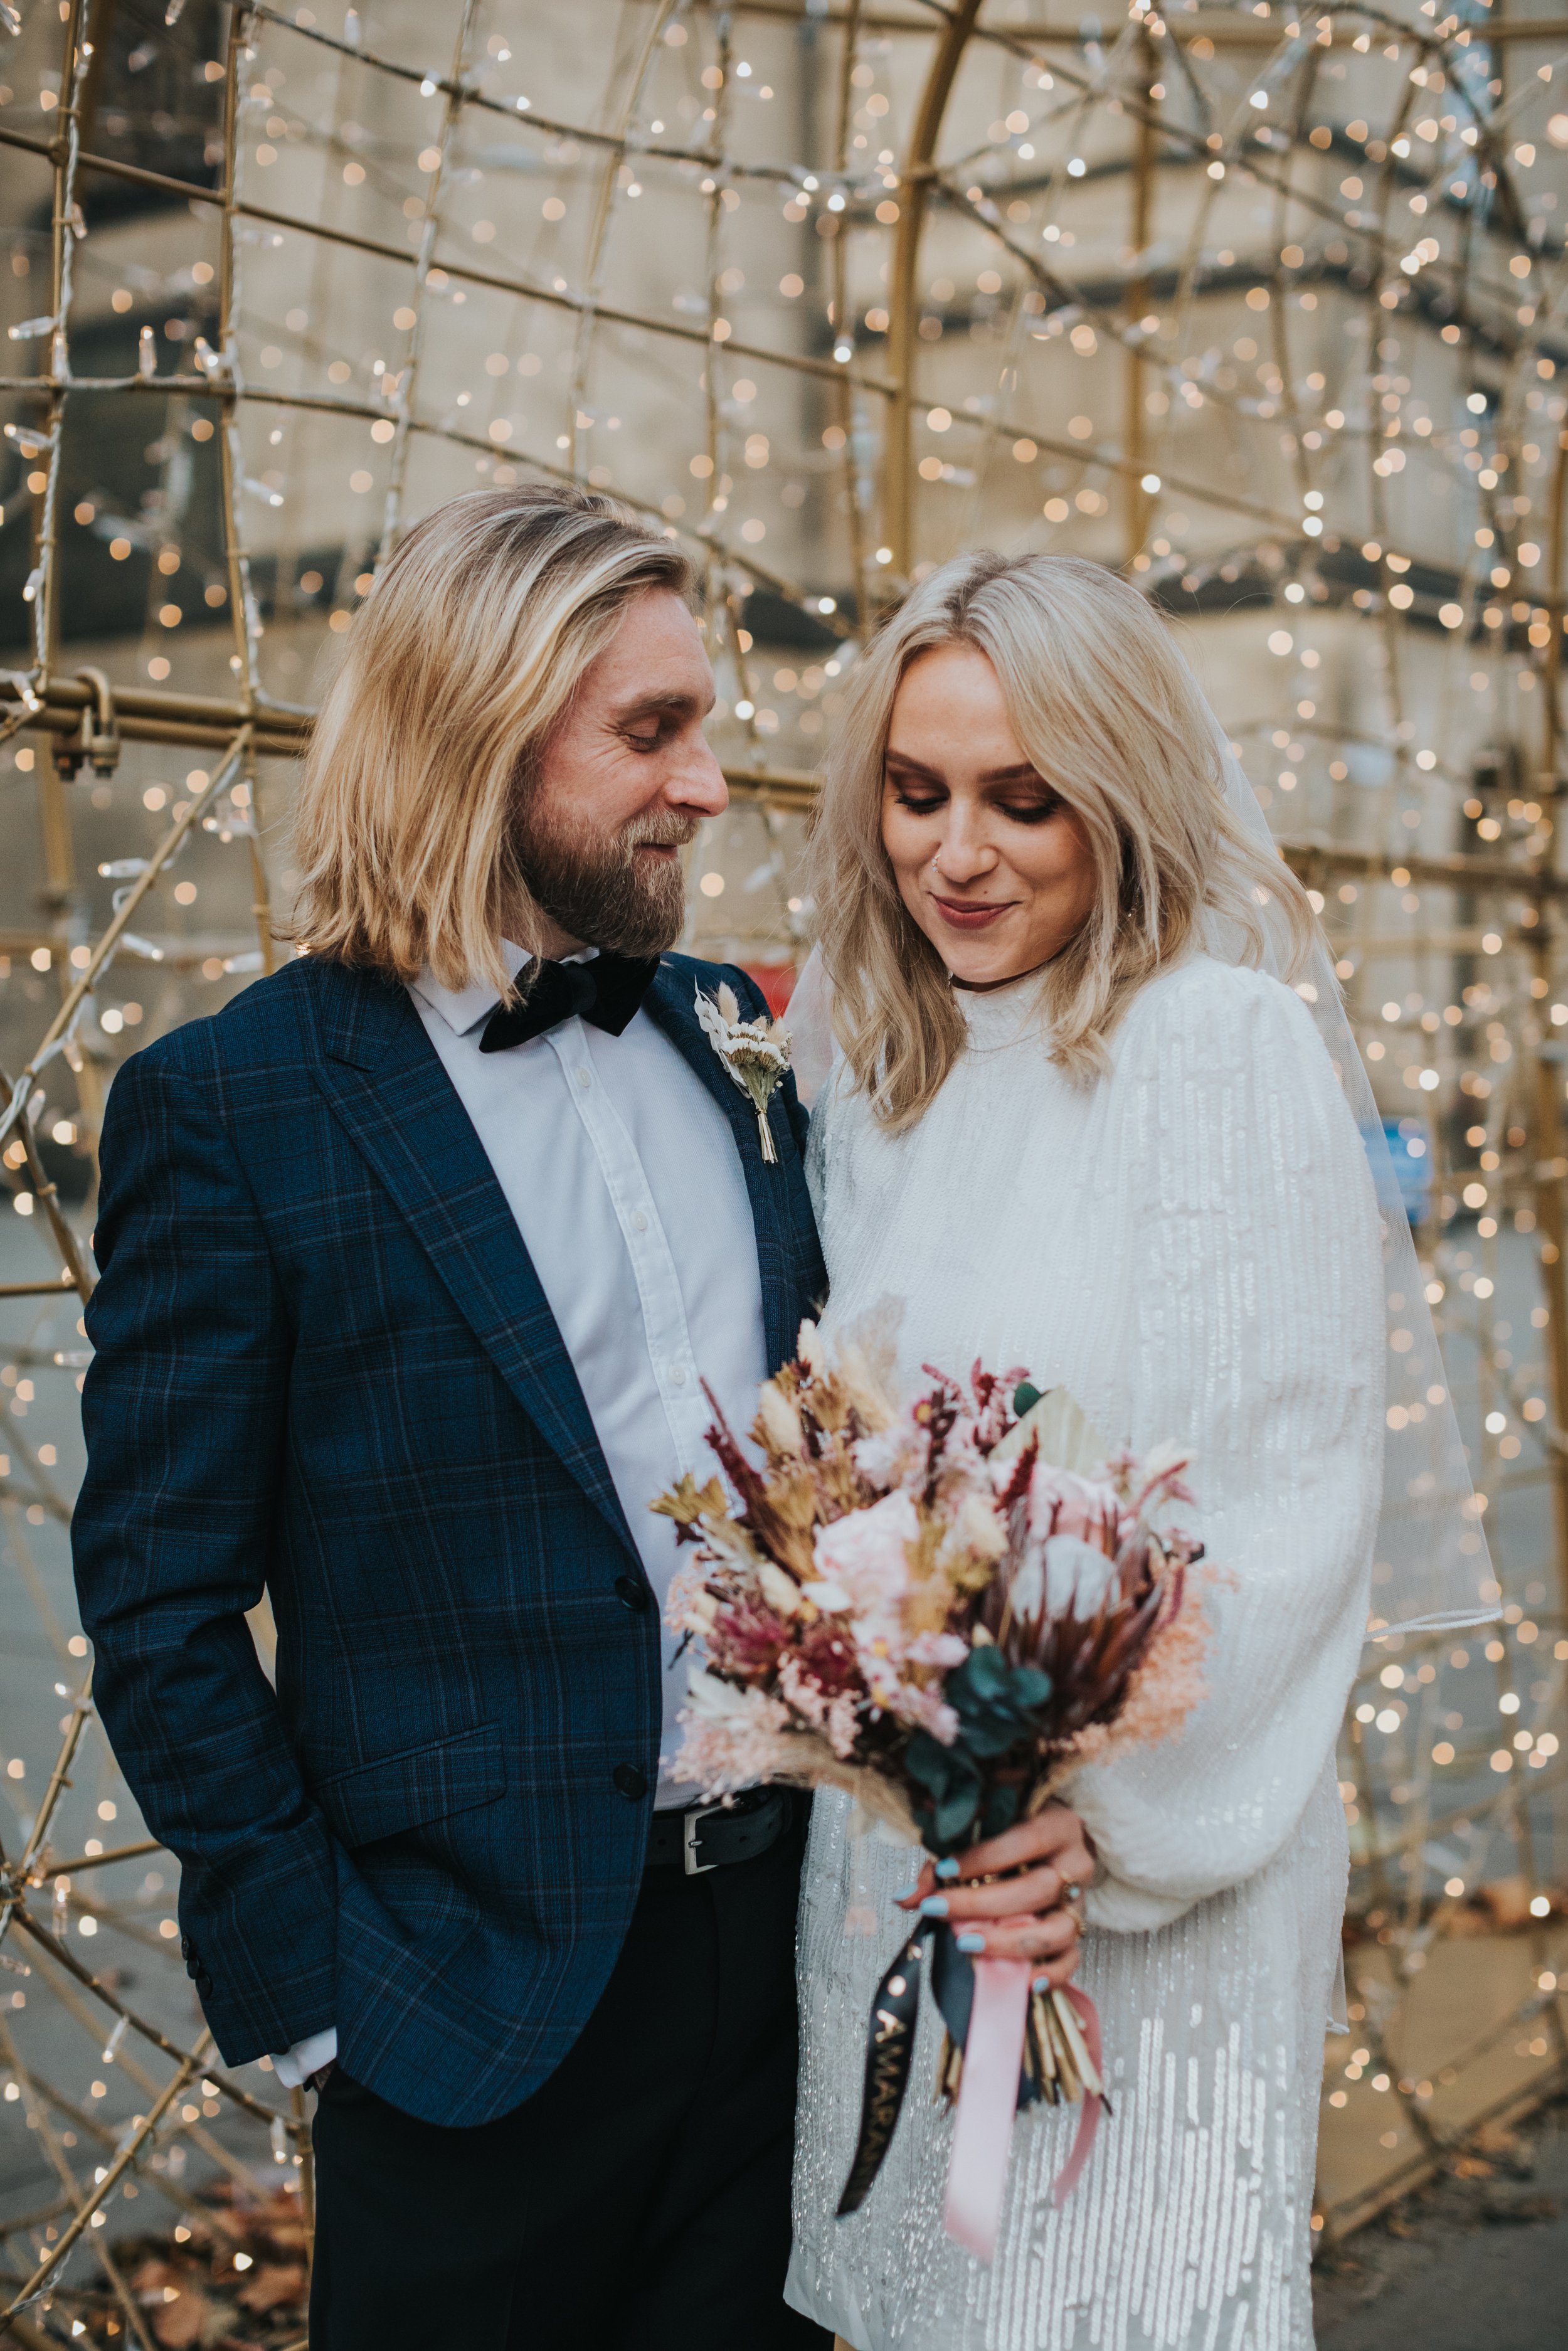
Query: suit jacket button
point(630, 1780)
point(632, 1594)
point(184, 1946)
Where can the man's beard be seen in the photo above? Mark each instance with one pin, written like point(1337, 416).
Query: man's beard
point(595, 887)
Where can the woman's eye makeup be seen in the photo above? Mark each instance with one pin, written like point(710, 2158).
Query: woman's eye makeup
point(1034, 805)
point(920, 794)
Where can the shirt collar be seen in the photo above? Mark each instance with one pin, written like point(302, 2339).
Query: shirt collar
point(464, 1009)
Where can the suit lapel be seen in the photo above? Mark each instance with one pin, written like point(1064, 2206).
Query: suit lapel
point(385, 1081)
point(670, 1002)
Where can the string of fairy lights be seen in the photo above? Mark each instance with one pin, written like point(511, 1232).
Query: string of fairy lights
point(1264, 306)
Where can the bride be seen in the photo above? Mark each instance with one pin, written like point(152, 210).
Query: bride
point(1072, 1124)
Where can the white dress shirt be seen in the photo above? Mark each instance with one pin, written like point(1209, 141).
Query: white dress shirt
point(622, 1174)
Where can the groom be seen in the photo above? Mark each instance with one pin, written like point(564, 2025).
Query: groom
point(413, 1262)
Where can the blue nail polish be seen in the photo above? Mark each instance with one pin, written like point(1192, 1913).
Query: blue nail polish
point(970, 1942)
point(934, 1907)
point(905, 1891)
point(947, 1869)
point(1042, 1983)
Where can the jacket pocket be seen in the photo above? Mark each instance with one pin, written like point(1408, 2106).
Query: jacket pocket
point(421, 1783)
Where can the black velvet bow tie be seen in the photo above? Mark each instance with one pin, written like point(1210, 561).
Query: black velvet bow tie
point(605, 992)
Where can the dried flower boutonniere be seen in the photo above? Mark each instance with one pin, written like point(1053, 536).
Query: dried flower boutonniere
point(755, 1052)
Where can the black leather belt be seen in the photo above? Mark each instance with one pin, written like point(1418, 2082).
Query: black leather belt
point(710, 1836)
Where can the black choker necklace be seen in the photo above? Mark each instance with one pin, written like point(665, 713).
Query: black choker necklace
point(988, 987)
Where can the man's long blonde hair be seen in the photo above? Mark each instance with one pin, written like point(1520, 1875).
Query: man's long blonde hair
point(1105, 707)
point(465, 657)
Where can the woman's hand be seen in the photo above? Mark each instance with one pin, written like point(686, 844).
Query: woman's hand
point(1031, 1915)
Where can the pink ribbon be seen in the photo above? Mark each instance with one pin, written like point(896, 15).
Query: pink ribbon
point(988, 2101)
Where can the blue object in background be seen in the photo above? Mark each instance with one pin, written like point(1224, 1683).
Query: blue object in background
point(1409, 1143)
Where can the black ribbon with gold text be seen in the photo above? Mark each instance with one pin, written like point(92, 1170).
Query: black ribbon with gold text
point(890, 2045)
point(894, 2014)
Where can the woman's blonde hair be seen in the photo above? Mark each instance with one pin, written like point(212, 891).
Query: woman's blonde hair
point(1105, 707)
point(464, 658)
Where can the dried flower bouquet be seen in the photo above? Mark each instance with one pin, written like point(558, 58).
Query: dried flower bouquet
point(940, 1608)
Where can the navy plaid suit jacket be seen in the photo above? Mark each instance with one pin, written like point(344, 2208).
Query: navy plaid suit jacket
point(324, 1365)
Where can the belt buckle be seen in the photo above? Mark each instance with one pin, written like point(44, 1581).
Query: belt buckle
point(690, 1824)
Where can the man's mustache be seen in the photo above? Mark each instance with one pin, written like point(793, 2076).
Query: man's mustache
point(659, 833)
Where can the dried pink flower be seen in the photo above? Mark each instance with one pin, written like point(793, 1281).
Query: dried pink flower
point(1165, 1687)
point(1062, 1503)
point(844, 1725)
point(936, 1649)
point(827, 1652)
point(747, 1640)
point(801, 1691)
point(894, 1456)
point(926, 1708)
point(866, 1554)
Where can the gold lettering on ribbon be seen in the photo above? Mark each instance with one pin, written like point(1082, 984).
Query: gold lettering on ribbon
point(889, 2049)
point(886, 2075)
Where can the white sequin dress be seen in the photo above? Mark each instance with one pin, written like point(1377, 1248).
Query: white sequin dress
point(1192, 1246)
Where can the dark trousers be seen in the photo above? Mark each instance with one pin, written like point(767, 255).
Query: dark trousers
point(638, 2201)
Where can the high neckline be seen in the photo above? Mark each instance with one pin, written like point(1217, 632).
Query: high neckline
point(1000, 1016)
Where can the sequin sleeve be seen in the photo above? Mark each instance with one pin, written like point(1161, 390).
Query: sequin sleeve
point(1256, 1339)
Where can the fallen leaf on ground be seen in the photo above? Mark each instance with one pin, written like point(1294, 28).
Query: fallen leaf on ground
point(183, 2322)
point(273, 2286)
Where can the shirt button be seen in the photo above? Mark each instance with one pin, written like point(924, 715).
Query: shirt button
point(638, 1221)
point(631, 1593)
point(677, 1376)
point(630, 1780)
point(584, 1078)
